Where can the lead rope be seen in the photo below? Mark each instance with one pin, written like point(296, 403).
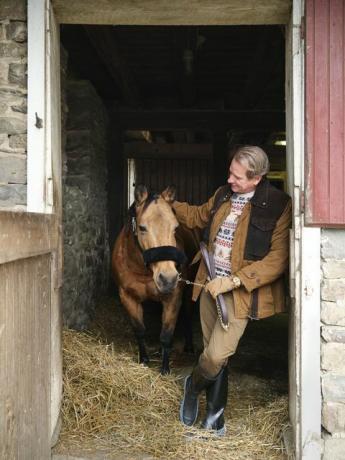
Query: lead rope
point(189, 282)
point(219, 311)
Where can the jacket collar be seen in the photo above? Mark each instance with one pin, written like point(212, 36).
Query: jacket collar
point(261, 195)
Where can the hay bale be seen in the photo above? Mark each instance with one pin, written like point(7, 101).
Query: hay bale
point(111, 402)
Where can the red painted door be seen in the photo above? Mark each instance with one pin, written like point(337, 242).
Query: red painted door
point(324, 110)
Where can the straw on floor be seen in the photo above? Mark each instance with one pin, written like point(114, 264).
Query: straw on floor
point(114, 403)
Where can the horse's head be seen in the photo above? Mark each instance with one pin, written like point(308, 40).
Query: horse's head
point(156, 225)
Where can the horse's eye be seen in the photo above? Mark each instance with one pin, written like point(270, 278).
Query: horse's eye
point(142, 228)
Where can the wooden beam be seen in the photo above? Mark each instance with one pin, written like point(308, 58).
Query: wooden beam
point(104, 42)
point(164, 151)
point(204, 120)
point(178, 12)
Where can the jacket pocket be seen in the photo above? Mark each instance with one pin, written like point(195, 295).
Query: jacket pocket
point(259, 238)
point(265, 301)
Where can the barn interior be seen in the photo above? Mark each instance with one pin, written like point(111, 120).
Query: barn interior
point(161, 105)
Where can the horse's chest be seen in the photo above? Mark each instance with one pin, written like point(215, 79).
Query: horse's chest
point(143, 288)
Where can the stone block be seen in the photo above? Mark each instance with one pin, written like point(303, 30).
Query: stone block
point(333, 289)
point(14, 9)
point(332, 357)
point(12, 194)
point(10, 103)
point(333, 387)
point(81, 166)
point(3, 140)
point(333, 417)
point(333, 313)
point(2, 31)
point(17, 31)
point(13, 50)
point(333, 244)
point(81, 95)
point(18, 141)
point(21, 107)
point(333, 334)
point(4, 73)
point(12, 170)
point(17, 74)
point(11, 125)
point(11, 92)
point(334, 448)
point(83, 183)
point(333, 268)
point(78, 143)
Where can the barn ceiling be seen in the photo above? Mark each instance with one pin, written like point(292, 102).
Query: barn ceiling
point(212, 75)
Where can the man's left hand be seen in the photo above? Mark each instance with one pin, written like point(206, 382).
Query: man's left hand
point(219, 286)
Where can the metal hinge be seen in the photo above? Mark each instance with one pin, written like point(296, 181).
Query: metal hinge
point(302, 202)
point(302, 29)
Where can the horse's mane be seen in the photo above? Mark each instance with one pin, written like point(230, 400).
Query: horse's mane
point(152, 196)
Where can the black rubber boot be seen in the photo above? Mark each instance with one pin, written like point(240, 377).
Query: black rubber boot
point(216, 398)
point(193, 385)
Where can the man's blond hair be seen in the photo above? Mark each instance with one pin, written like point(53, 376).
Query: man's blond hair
point(253, 158)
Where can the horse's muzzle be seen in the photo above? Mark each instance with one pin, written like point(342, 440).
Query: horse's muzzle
point(166, 284)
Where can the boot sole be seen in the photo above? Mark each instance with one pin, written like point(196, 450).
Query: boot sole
point(182, 406)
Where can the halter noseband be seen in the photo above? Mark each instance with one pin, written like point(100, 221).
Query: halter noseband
point(164, 253)
point(158, 253)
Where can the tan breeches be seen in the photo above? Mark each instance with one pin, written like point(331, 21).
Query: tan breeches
point(219, 344)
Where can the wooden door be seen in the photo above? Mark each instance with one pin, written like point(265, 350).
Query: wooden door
point(28, 245)
point(31, 264)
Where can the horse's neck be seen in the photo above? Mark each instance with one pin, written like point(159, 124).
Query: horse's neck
point(134, 258)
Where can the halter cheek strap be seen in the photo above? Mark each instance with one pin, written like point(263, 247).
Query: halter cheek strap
point(164, 253)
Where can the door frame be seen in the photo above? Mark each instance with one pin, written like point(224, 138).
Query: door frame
point(305, 262)
point(305, 403)
point(44, 166)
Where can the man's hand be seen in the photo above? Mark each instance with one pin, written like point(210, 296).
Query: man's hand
point(220, 285)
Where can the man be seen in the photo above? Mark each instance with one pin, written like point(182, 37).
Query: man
point(247, 225)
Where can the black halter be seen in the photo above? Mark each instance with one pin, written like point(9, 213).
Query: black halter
point(158, 253)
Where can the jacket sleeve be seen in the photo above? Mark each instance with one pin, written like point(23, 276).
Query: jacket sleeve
point(273, 265)
point(193, 216)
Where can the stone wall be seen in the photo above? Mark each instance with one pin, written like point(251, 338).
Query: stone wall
point(13, 104)
point(86, 250)
point(333, 343)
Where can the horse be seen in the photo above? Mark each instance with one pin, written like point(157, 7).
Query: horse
point(146, 260)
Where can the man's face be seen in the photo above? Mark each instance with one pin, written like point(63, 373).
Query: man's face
point(238, 179)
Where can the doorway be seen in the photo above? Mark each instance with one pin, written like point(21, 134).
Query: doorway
point(68, 15)
point(176, 100)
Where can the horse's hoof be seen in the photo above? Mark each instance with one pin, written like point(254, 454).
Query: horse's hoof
point(144, 361)
point(165, 371)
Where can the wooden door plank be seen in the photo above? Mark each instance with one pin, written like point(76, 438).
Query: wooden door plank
point(25, 359)
point(26, 235)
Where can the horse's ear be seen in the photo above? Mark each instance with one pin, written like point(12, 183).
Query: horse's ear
point(140, 194)
point(169, 194)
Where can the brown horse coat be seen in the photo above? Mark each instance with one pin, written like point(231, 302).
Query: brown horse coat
point(155, 226)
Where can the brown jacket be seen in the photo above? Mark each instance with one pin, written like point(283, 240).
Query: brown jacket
point(262, 292)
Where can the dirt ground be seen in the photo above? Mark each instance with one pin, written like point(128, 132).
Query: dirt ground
point(258, 371)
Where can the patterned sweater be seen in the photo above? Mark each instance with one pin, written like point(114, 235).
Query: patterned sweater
point(225, 236)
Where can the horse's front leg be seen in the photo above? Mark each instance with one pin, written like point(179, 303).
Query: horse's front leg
point(136, 316)
point(169, 317)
